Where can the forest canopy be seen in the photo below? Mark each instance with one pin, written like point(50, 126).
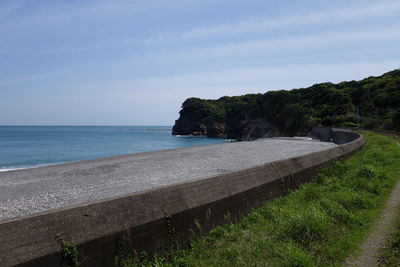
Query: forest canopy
point(371, 103)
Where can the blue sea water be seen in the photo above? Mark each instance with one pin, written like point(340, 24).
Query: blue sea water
point(32, 146)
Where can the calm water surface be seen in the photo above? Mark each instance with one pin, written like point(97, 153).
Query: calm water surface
point(32, 146)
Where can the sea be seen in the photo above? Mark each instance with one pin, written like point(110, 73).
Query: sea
point(34, 146)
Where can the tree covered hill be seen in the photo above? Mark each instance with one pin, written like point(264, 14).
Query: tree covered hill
point(376, 100)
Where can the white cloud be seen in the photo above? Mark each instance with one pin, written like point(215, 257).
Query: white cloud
point(328, 16)
point(73, 62)
point(239, 81)
point(304, 43)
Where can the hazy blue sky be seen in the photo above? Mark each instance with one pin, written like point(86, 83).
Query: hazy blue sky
point(99, 62)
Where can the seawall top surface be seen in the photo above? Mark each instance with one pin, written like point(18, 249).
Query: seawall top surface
point(31, 191)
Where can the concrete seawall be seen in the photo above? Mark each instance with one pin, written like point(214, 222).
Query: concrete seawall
point(160, 218)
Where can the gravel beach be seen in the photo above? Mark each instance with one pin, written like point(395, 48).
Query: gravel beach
point(30, 191)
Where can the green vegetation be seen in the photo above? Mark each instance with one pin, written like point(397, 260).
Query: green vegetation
point(69, 253)
point(375, 99)
point(390, 255)
point(319, 224)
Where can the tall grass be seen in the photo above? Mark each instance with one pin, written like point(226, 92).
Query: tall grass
point(317, 225)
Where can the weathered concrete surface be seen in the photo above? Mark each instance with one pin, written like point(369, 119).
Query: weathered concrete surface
point(97, 227)
point(36, 190)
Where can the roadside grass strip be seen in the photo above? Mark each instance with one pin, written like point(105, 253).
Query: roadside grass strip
point(319, 224)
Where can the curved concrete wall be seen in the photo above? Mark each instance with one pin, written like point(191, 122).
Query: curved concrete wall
point(160, 218)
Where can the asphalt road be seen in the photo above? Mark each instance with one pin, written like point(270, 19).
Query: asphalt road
point(30, 191)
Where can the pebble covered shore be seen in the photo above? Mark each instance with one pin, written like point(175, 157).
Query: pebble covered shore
point(30, 191)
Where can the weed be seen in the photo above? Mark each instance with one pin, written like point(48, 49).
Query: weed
point(291, 255)
point(125, 253)
point(304, 226)
point(171, 232)
point(367, 172)
point(337, 213)
point(69, 252)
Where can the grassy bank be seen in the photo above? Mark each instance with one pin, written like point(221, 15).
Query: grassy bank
point(319, 224)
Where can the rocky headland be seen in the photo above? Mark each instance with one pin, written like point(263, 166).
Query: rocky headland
point(371, 103)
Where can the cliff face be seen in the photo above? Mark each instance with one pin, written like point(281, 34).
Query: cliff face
point(256, 128)
point(187, 126)
point(373, 102)
point(249, 129)
point(232, 117)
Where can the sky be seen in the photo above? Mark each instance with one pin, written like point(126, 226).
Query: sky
point(109, 62)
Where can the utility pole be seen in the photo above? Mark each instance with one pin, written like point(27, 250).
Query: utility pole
point(358, 118)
